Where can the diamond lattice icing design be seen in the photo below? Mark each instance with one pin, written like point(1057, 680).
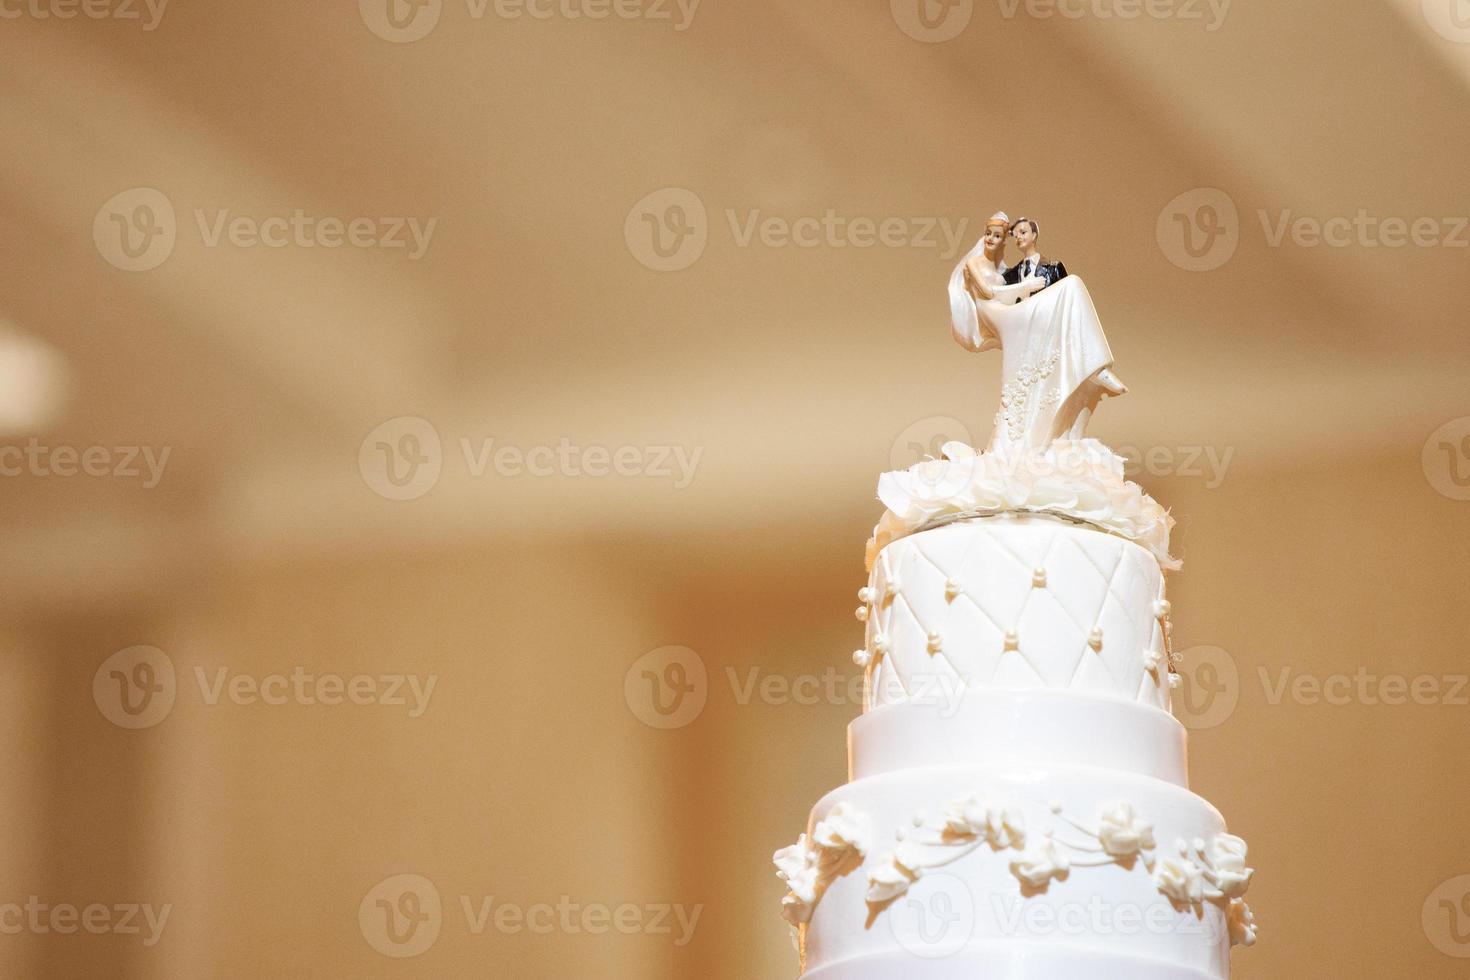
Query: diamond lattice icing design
point(963, 606)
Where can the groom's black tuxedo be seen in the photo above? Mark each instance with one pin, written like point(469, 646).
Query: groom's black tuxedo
point(1052, 272)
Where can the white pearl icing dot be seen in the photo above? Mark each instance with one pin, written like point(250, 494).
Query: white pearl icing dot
point(861, 613)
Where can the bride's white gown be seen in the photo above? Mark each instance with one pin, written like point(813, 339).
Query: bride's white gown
point(1051, 344)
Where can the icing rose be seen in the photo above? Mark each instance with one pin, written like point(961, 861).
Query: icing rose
point(1001, 828)
point(1040, 863)
point(843, 830)
point(889, 880)
point(810, 864)
point(1082, 479)
point(1007, 828)
point(1227, 858)
point(1181, 880)
point(966, 818)
point(1124, 833)
point(1242, 924)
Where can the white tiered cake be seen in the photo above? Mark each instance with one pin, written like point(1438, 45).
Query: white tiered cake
point(1018, 804)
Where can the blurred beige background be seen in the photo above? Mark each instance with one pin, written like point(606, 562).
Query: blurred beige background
point(630, 388)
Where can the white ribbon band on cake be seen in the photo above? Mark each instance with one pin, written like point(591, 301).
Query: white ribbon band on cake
point(1081, 480)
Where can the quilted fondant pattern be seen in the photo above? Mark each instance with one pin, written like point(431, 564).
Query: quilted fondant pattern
point(1014, 603)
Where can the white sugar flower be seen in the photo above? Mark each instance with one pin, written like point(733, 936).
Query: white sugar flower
point(842, 830)
point(1007, 828)
point(966, 818)
point(1227, 858)
point(1123, 832)
point(1181, 880)
point(1040, 863)
point(1242, 923)
point(889, 880)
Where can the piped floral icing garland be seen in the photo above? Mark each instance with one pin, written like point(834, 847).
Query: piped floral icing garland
point(837, 845)
point(1079, 479)
point(1213, 871)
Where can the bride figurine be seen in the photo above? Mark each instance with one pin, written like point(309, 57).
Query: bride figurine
point(1055, 361)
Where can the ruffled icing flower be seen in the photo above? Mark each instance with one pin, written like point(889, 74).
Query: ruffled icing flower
point(889, 880)
point(1227, 859)
point(1181, 880)
point(809, 865)
point(966, 818)
point(1082, 479)
point(1040, 863)
point(1242, 924)
point(1002, 828)
point(843, 830)
point(1123, 833)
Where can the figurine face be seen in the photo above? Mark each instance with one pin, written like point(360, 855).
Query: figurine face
point(995, 237)
point(1025, 236)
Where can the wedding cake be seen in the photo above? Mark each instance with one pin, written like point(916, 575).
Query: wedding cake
point(1018, 804)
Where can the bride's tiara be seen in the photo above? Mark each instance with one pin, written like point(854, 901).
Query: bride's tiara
point(998, 218)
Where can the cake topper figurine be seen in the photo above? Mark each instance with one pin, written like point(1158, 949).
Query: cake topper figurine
point(1055, 360)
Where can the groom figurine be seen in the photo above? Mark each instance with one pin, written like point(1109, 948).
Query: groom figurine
point(1024, 231)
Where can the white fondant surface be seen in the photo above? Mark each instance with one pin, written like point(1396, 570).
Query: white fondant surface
point(974, 911)
point(945, 600)
point(1019, 728)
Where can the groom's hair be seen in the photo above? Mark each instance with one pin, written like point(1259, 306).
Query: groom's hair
point(1025, 221)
